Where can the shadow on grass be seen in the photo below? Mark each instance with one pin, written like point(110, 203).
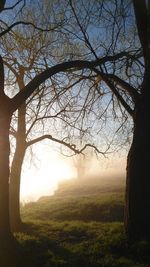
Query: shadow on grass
point(43, 251)
point(73, 244)
point(29, 252)
point(12, 254)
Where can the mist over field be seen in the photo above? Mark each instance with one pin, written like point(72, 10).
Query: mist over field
point(46, 179)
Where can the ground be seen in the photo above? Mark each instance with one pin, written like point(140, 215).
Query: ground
point(79, 228)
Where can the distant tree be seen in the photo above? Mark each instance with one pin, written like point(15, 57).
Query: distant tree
point(117, 64)
point(79, 164)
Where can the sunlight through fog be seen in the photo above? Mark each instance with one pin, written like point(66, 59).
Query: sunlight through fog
point(44, 179)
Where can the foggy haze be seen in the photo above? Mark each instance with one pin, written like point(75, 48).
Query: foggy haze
point(54, 169)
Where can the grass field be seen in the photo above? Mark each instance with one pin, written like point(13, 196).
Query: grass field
point(82, 225)
point(95, 203)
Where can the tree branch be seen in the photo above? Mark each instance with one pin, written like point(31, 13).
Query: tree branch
point(50, 137)
point(87, 42)
point(40, 78)
point(11, 7)
point(9, 66)
point(62, 142)
point(130, 89)
point(62, 67)
point(24, 23)
point(105, 78)
point(119, 97)
point(95, 148)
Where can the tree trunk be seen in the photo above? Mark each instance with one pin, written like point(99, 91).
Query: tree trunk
point(15, 176)
point(14, 190)
point(5, 232)
point(137, 210)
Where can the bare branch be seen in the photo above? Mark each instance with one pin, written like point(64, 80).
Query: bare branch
point(11, 68)
point(95, 148)
point(130, 89)
point(62, 67)
point(82, 30)
point(40, 78)
point(62, 142)
point(115, 91)
point(11, 7)
point(50, 137)
point(27, 24)
point(119, 97)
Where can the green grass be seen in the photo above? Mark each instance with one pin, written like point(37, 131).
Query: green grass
point(106, 208)
point(76, 243)
point(72, 229)
point(87, 200)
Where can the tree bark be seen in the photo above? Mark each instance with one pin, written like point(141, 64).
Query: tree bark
point(14, 189)
point(5, 232)
point(15, 176)
point(137, 209)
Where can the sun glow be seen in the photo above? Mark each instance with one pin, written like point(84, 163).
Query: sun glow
point(44, 180)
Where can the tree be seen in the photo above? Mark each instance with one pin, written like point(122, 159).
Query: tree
point(37, 115)
point(26, 125)
point(31, 116)
point(137, 191)
point(120, 66)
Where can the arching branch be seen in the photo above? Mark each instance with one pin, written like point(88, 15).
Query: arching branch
point(23, 95)
point(49, 72)
point(50, 137)
point(62, 142)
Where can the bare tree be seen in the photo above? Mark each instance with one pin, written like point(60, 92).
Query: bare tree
point(45, 107)
point(30, 119)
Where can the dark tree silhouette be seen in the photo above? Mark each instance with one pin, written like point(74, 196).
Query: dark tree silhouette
point(137, 218)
